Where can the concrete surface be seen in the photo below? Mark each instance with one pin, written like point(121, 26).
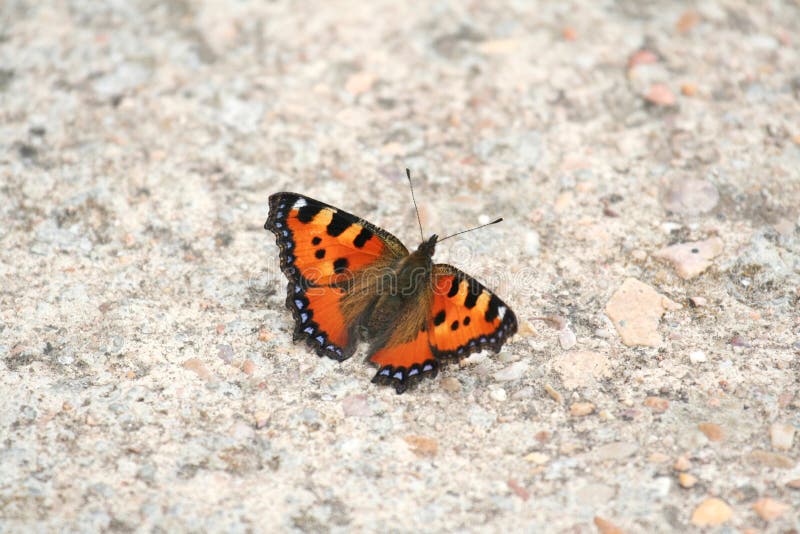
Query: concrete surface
point(149, 382)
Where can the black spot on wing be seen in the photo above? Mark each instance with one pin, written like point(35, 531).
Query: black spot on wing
point(307, 213)
point(439, 318)
point(361, 239)
point(339, 223)
point(316, 241)
point(319, 253)
point(492, 310)
point(453, 287)
point(474, 291)
point(467, 320)
point(340, 265)
point(454, 326)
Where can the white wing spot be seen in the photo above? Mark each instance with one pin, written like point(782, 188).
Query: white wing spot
point(301, 202)
point(501, 312)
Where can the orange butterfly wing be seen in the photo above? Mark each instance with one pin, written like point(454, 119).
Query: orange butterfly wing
point(323, 251)
point(459, 316)
point(465, 316)
point(400, 364)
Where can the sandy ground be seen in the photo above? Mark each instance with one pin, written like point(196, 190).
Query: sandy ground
point(149, 380)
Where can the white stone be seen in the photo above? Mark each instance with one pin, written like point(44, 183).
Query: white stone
point(498, 394)
point(697, 356)
point(781, 436)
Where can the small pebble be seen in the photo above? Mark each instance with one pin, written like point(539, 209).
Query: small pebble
point(261, 418)
point(604, 526)
point(635, 309)
point(498, 46)
point(537, 458)
point(264, 334)
point(555, 395)
point(580, 409)
point(498, 394)
point(697, 356)
point(642, 57)
point(450, 384)
point(657, 404)
point(198, 367)
point(660, 95)
point(682, 464)
point(692, 258)
point(658, 458)
point(689, 89)
point(739, 341)
point(781, 436)
point(521, 492)
point(512, 372)
point(422, 446)
point(712, 431)
point(602, 333)
point(769, 509)
point(567, 339)
point(711, 512)
point(225, 353)
point(248, 367)
point(686, 480)
point(615, 451)
point(688, 20)
point(532, 244)
point(507, 357)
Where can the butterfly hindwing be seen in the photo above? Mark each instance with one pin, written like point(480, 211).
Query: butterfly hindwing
point(319, 320)
point(405, 355)
point(466, 317)
point(325, 252)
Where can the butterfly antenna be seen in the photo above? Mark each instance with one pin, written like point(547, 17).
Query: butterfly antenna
point(471, 229)
point(414, 200)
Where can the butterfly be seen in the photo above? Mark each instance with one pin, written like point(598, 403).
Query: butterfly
point(350, 280)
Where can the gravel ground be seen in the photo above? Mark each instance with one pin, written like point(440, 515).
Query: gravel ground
point(645, 155)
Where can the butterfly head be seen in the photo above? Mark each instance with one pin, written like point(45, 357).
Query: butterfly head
point(427, 248)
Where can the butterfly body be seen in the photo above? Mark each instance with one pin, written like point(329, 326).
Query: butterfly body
point(350, 280)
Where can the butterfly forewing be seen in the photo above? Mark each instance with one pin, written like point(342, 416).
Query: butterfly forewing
point(326, 253)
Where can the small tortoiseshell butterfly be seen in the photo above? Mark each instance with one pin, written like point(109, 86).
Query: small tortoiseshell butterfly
point(349, 279)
